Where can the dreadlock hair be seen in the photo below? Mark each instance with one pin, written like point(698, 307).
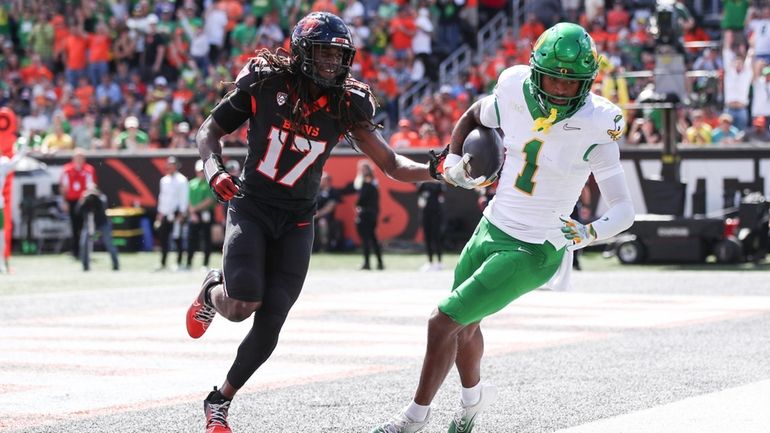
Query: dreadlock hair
point(341, 109)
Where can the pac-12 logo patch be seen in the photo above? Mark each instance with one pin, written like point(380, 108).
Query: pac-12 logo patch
point(281, 98)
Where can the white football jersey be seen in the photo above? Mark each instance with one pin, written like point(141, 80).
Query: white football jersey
point(544, 172)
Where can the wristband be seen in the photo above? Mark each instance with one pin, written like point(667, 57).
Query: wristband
point(213, 166)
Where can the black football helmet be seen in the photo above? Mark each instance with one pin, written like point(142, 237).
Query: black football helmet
point(323, 48)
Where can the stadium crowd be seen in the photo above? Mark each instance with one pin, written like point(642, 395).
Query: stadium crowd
point(142, 74)
point(128, 75)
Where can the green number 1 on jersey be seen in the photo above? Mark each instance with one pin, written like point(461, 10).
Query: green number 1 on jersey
point(524, 182)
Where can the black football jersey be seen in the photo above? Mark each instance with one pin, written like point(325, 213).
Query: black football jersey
point(284, 169)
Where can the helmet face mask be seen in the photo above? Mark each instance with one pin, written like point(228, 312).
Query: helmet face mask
point(323, 47)
point(564, 52)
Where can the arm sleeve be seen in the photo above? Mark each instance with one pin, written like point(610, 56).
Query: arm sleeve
point(621, 213)
point(604, 161)
point(234, 109)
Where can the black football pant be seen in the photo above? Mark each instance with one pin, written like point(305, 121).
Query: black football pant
point(431, 227)
point(76, 222)
point(199, 235)
point(366, 224)
point(266, 257)
point(166, 234)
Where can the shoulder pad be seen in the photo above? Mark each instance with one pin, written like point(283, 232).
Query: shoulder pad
point(256, 69)
point(608, 119)
point(511, 79)
point(361, 99)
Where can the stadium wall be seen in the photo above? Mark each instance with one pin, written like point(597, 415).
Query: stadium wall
point(710, 181)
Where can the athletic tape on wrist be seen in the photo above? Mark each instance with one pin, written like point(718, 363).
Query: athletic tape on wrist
point(451, 160)
point(213, 166)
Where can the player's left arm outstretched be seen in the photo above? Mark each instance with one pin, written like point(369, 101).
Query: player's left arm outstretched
point(605, 165)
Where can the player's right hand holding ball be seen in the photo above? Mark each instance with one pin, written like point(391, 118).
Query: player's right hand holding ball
point(456, 171)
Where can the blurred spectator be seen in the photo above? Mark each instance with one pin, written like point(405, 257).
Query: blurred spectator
point(489, 8)
point(737, 80)
point(618, 18)
point(405, 136)
point(571, 9)
point(449, 36)
point(643, 131)
point(759, 131)
point(75, 48)
point(98, 53)
point(173, 199)
point(548, 12)
point(726, 133)
point(733, 22)
point(760, 100)
point(760, 37)
point(402, 29)
point(429, 137)
point(41, 38)
point(152, 61)
point(76, 177)
point(430, 201)
point(85, 133)
point(201, 214)
point(327, 228)
point(181, 138)
point(700, 131)
point(123, 46)
point(92, 208)
point(57, 139)
point(531, 29)
point(108, 94)
point(106, 137)
point(367, 213)
point(422, 45)
point(214, 24)
point(35, 70)
point(353, 9)
point(132, 138)
point(270, 30)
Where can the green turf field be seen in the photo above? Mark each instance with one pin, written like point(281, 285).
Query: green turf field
point(52, 273)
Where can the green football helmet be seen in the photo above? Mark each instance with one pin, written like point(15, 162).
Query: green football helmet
point(566, 51)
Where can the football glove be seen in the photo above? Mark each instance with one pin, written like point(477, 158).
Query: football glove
point(456, 172)
point(580, 235)
point(436, 163)
point(224, 185)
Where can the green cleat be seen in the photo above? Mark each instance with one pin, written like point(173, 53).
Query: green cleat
point(465, 417)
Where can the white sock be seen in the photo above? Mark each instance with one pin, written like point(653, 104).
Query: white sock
point(471, 395)
point(416, 412)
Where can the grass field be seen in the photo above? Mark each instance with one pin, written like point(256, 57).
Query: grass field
point(52, 273)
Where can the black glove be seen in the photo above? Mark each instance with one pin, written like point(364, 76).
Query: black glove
point(436, 163)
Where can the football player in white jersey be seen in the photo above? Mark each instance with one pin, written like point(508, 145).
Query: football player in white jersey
point(556, 134)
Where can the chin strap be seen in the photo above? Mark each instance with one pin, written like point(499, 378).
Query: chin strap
point(544, 124)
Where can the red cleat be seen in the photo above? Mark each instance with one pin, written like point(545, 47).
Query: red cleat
point(200, 315)
point(216, 407)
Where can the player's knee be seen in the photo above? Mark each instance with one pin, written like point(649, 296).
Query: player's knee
point(441, 326)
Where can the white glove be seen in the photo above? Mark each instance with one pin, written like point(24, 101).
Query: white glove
point(580, 235)
point(456, 172)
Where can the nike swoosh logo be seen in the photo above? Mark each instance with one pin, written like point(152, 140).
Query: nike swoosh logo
point(570, 128)
point(524, 250)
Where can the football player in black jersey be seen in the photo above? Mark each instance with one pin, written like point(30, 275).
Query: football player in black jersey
point(299, 105)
